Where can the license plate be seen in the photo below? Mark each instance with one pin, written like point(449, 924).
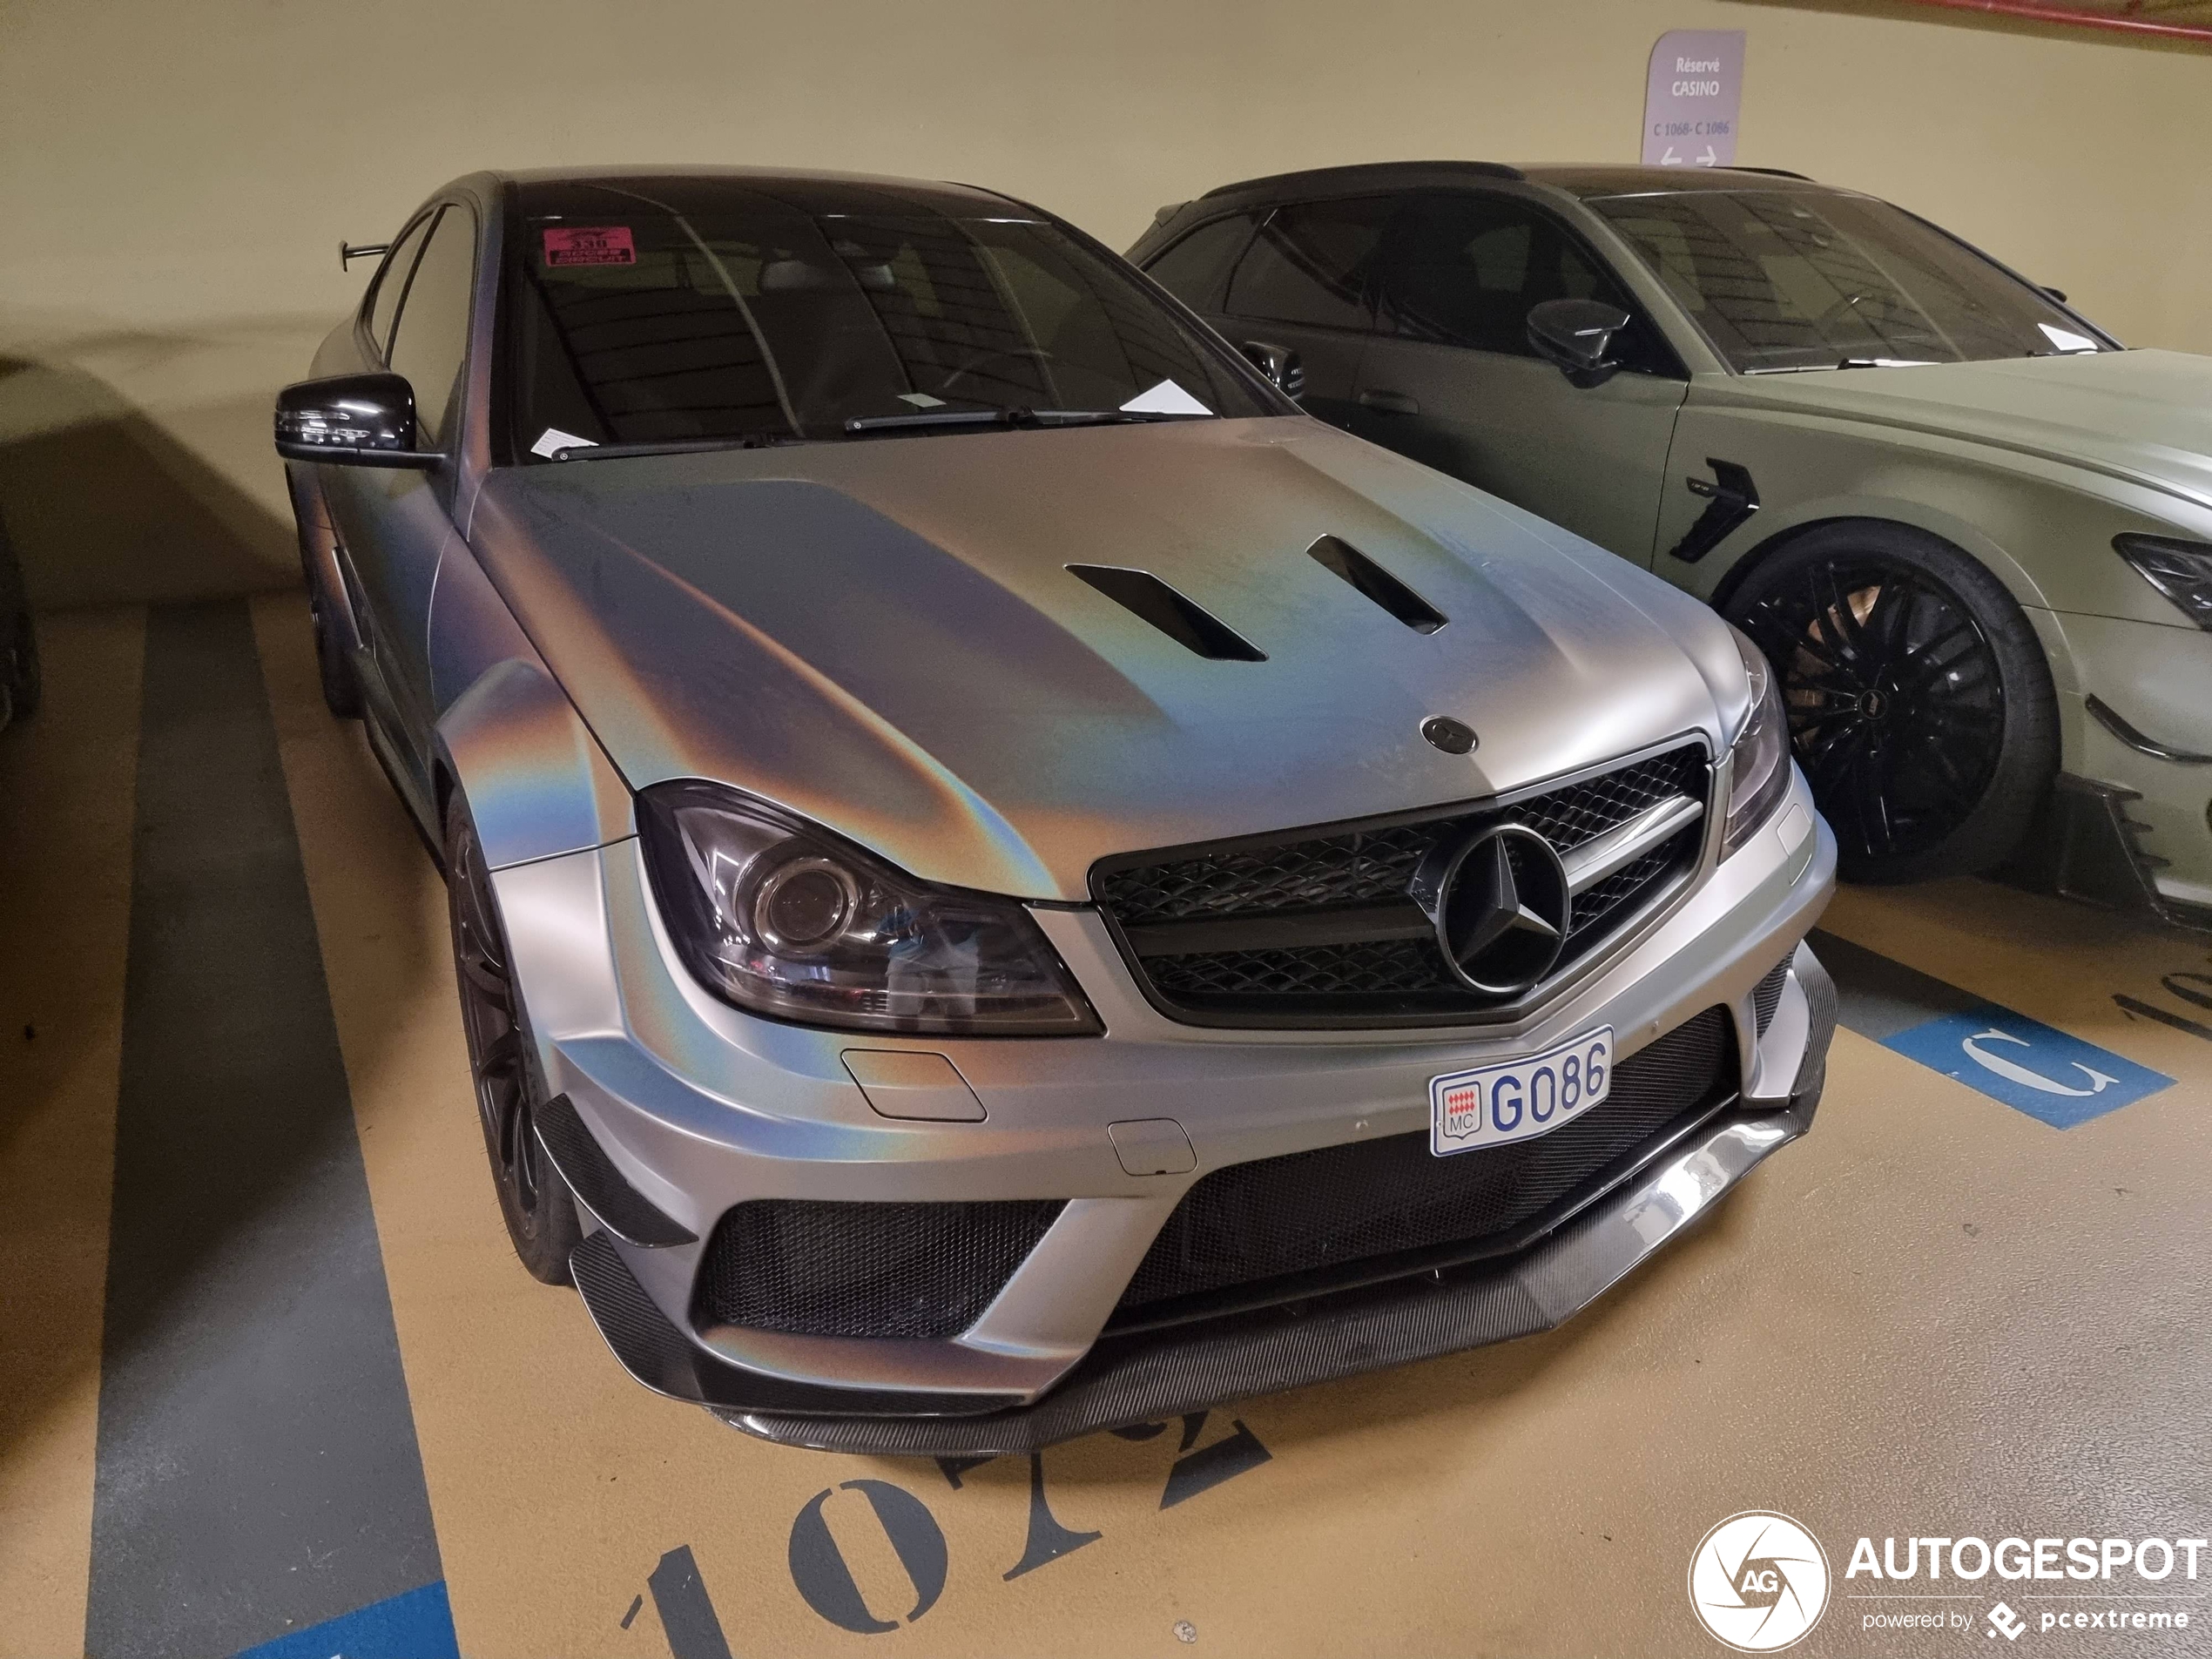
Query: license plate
point(1517, 1100)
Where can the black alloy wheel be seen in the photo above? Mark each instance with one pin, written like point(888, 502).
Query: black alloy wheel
point(1918, 698)
point(540, 1212)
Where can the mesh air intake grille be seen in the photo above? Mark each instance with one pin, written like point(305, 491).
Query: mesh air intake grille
point(1339, 1207)
point(825, 1269)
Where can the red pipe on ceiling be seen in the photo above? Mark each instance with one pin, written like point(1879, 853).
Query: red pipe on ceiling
point(2034, 12)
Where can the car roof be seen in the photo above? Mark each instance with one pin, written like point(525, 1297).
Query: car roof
point(1579, 180)
point(809, 190)
point(1601, 181)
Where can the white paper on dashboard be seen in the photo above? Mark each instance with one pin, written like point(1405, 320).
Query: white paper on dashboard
point(2067, 340)
point(1166, 398)
point(553, 439)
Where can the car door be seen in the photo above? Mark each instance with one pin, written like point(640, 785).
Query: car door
point(1451, 380)
point(1303, 283)
point(393, 525)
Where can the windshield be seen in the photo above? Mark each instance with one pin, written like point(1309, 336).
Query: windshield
point(739, 315)
point(1793, 280)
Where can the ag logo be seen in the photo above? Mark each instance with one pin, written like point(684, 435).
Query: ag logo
point(1758, 1581)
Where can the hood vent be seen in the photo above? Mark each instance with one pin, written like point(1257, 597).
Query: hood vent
point(1144, 595)
point(1377, 583)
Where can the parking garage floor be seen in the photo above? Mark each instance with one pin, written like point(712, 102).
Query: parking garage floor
point(271, 1379)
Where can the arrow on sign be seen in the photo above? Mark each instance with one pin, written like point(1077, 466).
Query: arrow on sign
point(1708, 158)
point(1670, 159)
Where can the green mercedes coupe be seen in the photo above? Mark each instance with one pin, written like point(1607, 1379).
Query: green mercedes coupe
point(1972, 533)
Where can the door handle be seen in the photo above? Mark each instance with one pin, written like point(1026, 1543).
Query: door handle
point(1390, 402)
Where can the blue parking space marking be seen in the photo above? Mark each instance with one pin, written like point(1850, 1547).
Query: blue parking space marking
point(2031, 1066)
point(418, 1625)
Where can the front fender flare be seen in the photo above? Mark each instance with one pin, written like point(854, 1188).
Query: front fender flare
point(508, 738)
point(535, 780)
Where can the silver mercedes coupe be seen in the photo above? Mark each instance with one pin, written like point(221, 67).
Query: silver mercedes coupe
point(1005, 880)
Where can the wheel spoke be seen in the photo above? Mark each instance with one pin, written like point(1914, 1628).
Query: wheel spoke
point(1897, 604)
point(1957, 790)
point(1872, 800)
point(1850, 632)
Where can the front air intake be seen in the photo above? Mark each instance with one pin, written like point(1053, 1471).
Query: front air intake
point(1298, 1224)
point(839, 1268)
point(1143, 595)
point(1342, 559)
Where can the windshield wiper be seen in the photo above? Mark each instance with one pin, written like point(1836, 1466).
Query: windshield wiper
point(672, 447)
point(1021, 417)
point(924, 420)
point(1117, 417)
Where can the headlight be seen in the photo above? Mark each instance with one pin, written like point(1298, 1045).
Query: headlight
point(2181, 570)
point(1760, 776)
point(782, 918)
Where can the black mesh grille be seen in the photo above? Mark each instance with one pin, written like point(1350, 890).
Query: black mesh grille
point(1766, 995)
point(827, 1269)
point(1341, 1207)
point(1378, 980)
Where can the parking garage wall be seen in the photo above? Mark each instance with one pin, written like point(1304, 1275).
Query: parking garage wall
point(175, 179)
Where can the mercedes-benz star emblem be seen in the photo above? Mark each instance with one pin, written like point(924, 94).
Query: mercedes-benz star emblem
point(1500, 905)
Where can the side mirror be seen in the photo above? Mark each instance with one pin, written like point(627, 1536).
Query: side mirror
point(351, 420)
point(1279, 364)
point(1576, 336)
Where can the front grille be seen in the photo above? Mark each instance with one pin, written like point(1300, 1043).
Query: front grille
point(1283, 1227)
point(824, 1269)
point(1313, 883)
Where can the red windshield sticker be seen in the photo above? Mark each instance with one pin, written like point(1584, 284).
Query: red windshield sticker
point(591, 244)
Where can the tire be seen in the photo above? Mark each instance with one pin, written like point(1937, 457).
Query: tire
point(1919, 700)
point(539, 1209)
point(341, 690)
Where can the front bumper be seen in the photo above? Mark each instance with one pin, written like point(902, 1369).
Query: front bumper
point(692, 1108)
point(1152, 1374)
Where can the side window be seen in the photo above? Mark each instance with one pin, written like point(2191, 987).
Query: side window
point(1310, 263)
point(1196, 268)
point(391, 283)
point(1465, 270)
point(432, 339)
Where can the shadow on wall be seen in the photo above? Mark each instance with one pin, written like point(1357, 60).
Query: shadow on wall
point(107, 505)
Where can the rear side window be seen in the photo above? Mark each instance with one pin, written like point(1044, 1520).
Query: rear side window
point(1196, 269)
point(431, 341)
point(1467, 270)
point(1310, 263)
point(391, 283)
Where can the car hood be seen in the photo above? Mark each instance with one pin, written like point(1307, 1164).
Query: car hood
point(2145, 417)
point(883, 635)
